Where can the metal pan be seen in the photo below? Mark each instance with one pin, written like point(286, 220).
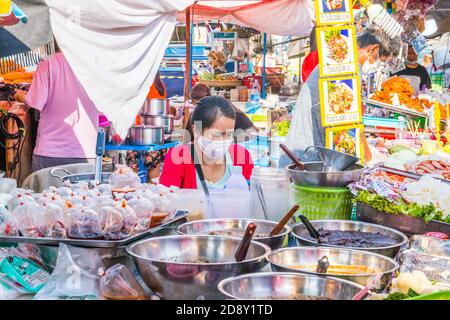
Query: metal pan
point(180, 217)
point(75, 178)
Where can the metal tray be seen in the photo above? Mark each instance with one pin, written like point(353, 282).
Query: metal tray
point(179, 218)
point(406, 224)
point(407, 174)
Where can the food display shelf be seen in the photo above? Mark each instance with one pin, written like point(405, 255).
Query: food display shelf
point(389, 107)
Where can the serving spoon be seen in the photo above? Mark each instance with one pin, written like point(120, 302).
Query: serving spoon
point(312, 231)
point(242, 250)
point(277, 229)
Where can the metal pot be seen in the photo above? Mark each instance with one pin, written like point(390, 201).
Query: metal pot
point(146, 135)
point(187, 267)
point(238, 226)
point(290, 90)
point(287, 286)
point(313, 176)
point(155, 107)
point(301, 235)
point(159, 121)
point(286, 260)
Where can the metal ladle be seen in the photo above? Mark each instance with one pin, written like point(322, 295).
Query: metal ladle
point(312, 231)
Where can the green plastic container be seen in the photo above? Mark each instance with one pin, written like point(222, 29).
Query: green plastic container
point(321, 203)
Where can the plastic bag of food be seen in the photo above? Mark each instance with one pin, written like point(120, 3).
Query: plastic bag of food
point(29, 219)
point(111, 222)
point(7, 225)
point(102, 201)
point(76, 275)
point(78, 201)
point(124, 178)
point(7, 185)
point(130, 220)
point(19, 196)
point(436, 268)
point(119, 284)
point(55, 220)
point(430, 245)
point(84, 224)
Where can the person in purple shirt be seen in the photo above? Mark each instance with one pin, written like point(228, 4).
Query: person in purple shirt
point(68, 118)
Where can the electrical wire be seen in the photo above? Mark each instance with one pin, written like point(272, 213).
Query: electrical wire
point(19, 135)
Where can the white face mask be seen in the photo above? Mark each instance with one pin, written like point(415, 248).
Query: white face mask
point(214, 149)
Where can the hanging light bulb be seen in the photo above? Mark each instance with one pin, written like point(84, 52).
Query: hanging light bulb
point(379, 16)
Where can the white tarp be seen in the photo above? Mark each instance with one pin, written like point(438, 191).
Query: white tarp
point(115, 48)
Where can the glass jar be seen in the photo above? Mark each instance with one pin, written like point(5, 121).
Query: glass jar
point(274, 185)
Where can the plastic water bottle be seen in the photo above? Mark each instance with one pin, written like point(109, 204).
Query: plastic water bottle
point(237, 180)
point(400, 132)
point(254, 96)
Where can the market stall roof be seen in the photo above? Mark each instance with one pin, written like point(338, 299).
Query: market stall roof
point(287, 17)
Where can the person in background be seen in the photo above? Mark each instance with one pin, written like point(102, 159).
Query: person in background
point(67, 131)
point(306, 126)
point(243, 125)
point(213, 122)
point(312, 59)
point(414, 69)
point(153, 159)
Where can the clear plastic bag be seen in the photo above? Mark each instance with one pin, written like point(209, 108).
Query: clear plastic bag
point(30, 220)
point(130, 220)
point(19, 196)
point(436, 268)
point(76, 275)
point(111, 222)
point(7, 185)
point(124, 178)
point(119, 284)
point(7, 225)
point(84, 224)
point(55, 220)
point(430, 245)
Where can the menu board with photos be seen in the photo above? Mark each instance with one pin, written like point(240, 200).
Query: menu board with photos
point(340, 100)
point(333, 12)
point(346, 139)
point(337, 51)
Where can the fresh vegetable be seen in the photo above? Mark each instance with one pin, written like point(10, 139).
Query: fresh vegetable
point(441, 295)
point(281, 128)
point(425, 212)
point(401, 296)
point(400, 147)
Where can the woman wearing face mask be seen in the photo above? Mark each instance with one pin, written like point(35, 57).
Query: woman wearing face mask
point(213, 122)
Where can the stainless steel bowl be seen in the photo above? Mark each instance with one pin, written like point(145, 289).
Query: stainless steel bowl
point(287, 286)
point(285, 260)
point(159, 121)
point(301, 235)
point(154, 107)
point(263, 227)
point(145, 135)
point(313, 176)
point(160, 262)
point(333, 158)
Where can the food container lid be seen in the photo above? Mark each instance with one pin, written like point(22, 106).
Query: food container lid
point(269, 173)
point(439, 235)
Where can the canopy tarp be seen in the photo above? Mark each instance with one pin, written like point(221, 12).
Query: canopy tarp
point(115, 47)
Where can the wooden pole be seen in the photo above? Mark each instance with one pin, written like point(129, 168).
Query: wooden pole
point(187, 73)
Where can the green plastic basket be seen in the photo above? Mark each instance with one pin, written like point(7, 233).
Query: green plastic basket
point(320, 203)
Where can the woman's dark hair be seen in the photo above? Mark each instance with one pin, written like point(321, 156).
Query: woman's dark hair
point(209, 109)
point(313, 40)
point(384, 52)
point(199, 91)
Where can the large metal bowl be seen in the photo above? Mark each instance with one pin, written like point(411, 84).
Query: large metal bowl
point(286, 286)
point(301, 235)
point(181, 280)
point(313, 176)
point(333, 158)
point(285, 260)
point(263, 227)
